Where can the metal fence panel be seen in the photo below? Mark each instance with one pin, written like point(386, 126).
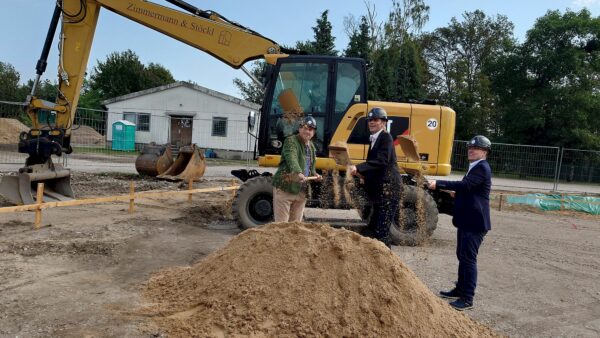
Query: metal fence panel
point(531, 167)
point(92, 134)
point(515, 161)
point(579, 166)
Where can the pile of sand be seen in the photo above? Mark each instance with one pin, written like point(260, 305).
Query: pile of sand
point(83, 135)
point(300, 279)
point(10, 130)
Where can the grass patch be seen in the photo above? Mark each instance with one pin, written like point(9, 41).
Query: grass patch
point(104, 151)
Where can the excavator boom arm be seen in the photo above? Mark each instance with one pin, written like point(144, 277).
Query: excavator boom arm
point(208, 31)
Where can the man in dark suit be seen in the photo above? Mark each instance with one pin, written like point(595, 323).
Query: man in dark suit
point(381, 177)
point(471, 218)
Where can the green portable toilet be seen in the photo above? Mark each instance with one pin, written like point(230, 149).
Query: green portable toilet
point(123, 133)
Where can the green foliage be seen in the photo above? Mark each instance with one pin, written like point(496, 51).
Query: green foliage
point(251, 91)
point(360, 41)
point(459, 58)
point(156, 75)
point(9, 83)
point(405, 19)
point(123, 73)
point(397, 73)
point(549, 88)
point(324, 42)
point(45, 90)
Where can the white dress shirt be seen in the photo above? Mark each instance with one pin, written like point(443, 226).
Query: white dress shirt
point(373, 137)
point(472, 164)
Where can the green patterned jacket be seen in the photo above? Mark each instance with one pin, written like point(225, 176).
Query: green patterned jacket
point(292, 163)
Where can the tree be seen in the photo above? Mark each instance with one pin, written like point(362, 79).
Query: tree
point(251, 91)
point(549, 89)
point(123, 73)
point(360, 41)
point(155, 75)
point(45, 90)
point(323, 43)
point(458, 57)
point(405, 19)
point(398, 72)
point(9, 83)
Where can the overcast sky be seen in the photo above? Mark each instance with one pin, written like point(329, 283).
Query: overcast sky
point(23, 26)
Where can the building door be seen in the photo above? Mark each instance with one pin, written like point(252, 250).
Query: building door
point(181, 130)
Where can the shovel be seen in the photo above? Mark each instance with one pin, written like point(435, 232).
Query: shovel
point(339, 152)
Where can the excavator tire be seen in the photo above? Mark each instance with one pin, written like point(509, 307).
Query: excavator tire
point(408, 233)
point(253, 203)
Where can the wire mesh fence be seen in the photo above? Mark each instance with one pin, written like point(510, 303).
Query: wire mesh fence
point(515, 161)
point(93, 134)
point(93, 143)
point(580, 166)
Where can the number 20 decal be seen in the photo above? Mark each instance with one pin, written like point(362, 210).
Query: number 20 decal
point(432, 124)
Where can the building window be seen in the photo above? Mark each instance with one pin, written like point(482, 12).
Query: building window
point(141, 120)
point(219, 126)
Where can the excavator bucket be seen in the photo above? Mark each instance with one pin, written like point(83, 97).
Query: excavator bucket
point(154, 160)
point(22, 188)
point(189, 165)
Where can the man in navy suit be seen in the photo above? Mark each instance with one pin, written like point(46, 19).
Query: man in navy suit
point(381, 177)
point(471, 218)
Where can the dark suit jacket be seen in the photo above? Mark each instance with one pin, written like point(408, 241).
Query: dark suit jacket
point(472, 202)
point(382, 178)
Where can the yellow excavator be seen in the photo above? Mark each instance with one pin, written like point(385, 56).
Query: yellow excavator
point(331, 89)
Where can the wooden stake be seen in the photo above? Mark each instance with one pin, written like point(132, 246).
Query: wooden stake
point(39, 201)
point(500, 204)
point(190, 185)
point(131, 197)
point(233, 191)
point(562, 196)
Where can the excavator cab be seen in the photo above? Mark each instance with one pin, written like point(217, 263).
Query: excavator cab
point(323, 87)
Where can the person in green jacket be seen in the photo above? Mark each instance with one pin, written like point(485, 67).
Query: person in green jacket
point(290, 182)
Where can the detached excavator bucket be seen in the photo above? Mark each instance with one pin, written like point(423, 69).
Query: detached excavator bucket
point(189, 164)
point(22, 188)
point(154, 160)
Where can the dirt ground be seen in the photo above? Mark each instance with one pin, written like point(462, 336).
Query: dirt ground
point(82, 273)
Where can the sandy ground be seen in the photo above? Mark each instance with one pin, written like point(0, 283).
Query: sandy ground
point(81, 274)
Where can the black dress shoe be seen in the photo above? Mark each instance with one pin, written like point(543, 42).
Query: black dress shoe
point(452, 294)
point(461, 304)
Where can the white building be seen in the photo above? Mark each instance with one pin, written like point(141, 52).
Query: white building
point(182, 113)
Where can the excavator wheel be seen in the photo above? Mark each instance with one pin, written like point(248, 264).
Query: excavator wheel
point(408, 233)
point(405, 230)
point(253, 203)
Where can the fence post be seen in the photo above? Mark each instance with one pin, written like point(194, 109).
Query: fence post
point(559, 159)
point(500, 203)
point(190, 185)
point(39, 201)
point(233, 190)
point(131, 197)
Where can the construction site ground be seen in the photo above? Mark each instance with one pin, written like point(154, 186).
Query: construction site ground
point(80, 275)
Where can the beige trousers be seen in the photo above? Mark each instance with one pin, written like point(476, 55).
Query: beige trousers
point(288, 207)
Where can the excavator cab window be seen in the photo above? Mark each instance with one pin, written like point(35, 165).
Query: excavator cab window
point(300, 89)
point(324, 87)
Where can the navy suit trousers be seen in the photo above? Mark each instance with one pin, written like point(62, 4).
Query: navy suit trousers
point(381, 220)
point(467, 247)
